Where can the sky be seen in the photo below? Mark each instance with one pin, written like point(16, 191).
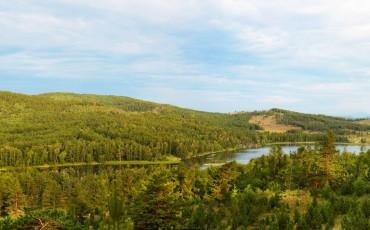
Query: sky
point(215, 55)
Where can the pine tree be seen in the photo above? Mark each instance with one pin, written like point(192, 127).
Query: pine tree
point(116, 208)
point(158, 205)
point(52, 195)
point(327, 158)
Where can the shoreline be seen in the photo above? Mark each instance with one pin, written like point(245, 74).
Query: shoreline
point(83, 164)
point(267, 145)
point(160, 162)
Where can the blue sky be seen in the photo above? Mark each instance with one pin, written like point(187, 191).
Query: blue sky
point(214, 55)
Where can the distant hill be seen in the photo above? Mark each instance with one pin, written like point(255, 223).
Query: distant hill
point(66, 127)
point(363, 121)
point(279, 120)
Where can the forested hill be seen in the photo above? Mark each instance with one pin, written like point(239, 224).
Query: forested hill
point(309, 122)
point(63, 127)
point(59, 127)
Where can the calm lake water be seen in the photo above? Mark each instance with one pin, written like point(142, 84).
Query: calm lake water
point(244, 156)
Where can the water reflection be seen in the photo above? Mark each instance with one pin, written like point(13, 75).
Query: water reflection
point(244, 156)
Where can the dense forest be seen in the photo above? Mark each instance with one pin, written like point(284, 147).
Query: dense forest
point(60, 127)
point(314, 188)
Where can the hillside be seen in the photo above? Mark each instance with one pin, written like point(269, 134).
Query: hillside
point(279, 120)
point(61, 127)
point(363, 121)
point(271, 123)
point(65, 127)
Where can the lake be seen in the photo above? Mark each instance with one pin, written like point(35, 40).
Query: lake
point(244, 156)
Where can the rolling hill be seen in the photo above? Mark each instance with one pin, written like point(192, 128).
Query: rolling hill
point(289, 120)
point(66, 127)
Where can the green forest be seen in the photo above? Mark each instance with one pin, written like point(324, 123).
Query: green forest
point(59, 128)
point(315, 187)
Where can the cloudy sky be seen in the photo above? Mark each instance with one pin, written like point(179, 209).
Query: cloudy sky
point(215, 55)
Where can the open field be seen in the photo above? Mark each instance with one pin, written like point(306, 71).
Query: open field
point(269, 123)
point(363, 122)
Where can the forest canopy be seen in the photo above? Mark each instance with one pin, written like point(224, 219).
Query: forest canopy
point(309, 189)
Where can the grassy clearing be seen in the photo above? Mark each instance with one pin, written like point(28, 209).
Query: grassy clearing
point(364, 122)
point(270, 124)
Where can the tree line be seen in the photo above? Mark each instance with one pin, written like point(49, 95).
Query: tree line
point(314, 188)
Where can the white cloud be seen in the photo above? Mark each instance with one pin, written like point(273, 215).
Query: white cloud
point(159, 12)
point(289, 50)
point(331, 87)
point(311, 32)
point(278, 100)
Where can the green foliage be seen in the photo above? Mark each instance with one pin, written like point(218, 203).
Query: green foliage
point(42, 220)
point(57, 128)
point(356, 220)
point(116, 208)
point(157, 207)
point(231, 196)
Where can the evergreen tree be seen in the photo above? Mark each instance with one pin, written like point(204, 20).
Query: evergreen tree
point(157, 207)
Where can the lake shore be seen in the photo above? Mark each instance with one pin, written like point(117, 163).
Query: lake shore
point(169, 161)
point(79, 164)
